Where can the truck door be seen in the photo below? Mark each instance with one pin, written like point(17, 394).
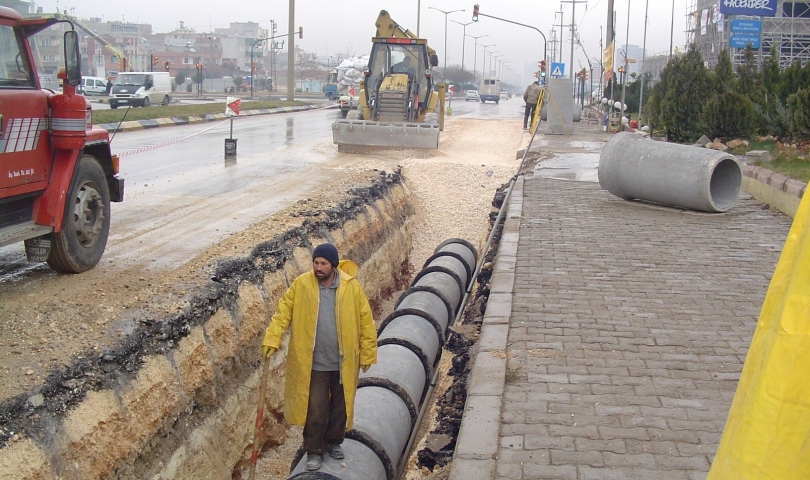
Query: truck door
point(24, 148)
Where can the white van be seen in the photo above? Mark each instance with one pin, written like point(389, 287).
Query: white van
point(141, 89)
point(490, 90)
point(93, 86)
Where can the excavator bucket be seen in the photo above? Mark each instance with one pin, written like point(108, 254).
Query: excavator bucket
point(364, 133)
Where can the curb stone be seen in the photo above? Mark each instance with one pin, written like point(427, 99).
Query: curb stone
point(478, 436)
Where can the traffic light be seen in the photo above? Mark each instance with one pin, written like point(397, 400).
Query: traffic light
point(166, 65)
point(155, 60)
point(621, 69)
point(124, 64)
point(252, 66)
point(300, 32)
point(475, 13)
point(542, 65)
point(197, 66)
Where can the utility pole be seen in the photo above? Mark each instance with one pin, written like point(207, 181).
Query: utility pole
point(553, 44)
point(561, 34)
point(625, 74)
point(643, 58)
point(573, 33)
point(291, 54)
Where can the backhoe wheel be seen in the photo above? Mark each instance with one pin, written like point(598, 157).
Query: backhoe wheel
point(86, 225)
point(354, 115)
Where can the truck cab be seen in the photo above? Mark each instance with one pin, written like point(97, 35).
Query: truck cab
point(57, 175)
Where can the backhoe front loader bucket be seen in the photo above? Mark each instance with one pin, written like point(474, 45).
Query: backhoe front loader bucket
point(364, 133)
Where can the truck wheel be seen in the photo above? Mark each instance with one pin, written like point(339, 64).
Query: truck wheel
point(113, 106)
point(166, 100)
point(146, 102)
point(86, 225)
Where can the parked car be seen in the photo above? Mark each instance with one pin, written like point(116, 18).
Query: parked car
point(93, 86)
point(472, 96)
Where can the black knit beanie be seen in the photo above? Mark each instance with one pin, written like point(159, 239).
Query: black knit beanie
point(328, 252)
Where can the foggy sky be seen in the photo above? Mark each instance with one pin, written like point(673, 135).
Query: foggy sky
point(338, 27)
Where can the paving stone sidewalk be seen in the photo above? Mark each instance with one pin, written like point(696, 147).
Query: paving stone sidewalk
point(628, 324)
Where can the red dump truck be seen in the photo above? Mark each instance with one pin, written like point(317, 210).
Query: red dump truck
point(57, 173)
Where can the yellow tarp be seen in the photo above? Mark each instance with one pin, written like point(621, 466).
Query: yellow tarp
point(767, 434)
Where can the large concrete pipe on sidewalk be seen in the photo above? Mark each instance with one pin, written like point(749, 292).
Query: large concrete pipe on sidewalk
point(633, 167)
point(391, 395)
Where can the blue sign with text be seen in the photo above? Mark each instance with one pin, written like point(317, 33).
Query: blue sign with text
point(746, 26)
point(757, 8)
point(741, 40)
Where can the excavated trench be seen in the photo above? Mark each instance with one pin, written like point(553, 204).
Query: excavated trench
point(176, 398)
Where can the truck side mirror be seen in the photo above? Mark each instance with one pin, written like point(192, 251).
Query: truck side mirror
point(72, 58)
point(434, 60)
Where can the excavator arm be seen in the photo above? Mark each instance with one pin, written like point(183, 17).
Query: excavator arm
point(44, 21)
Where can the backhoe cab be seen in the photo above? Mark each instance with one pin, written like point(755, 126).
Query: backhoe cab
point(397, 99)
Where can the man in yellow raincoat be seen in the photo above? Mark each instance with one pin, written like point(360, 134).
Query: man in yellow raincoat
point(332, 336)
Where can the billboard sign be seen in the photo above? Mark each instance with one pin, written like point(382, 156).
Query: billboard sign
point(746, 26)
point(757, 8)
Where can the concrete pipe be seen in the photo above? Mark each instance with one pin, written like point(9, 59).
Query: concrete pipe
point(451, 262)
point(426, 302)
point(400, 370)
point(462, 248)
point(382, 421)
point(444, 280)
point(577, 112)
point(416, 333)
point(633, 167)
point(365, 465)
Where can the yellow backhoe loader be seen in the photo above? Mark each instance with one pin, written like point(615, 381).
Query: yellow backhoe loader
point(397, 104)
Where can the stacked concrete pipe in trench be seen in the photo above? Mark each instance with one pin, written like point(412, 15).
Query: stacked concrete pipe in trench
point(392, 393)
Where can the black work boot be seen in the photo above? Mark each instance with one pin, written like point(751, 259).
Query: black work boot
point(314, 461)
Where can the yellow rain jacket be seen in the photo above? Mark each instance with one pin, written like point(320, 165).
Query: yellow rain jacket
point(357, 338)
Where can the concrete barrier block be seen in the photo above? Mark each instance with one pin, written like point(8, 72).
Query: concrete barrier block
point(750, 171)
point(251, 314)
point(777, 180)
point(758, 155)
point(762, 175)
point(795, 187)
point(24, 460)
point(193, 361)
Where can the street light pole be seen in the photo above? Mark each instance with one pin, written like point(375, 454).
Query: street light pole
point(484, 60)
point(463, 40)
point(475, 51)
point(490, 60)
point(444, 65)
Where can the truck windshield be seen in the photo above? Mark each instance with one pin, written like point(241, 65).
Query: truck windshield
point(130, 79)
point(15, 71)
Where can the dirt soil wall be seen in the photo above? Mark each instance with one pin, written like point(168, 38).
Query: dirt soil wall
point(176, 398)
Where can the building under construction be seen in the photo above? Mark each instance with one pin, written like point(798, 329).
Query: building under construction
point(788, 32)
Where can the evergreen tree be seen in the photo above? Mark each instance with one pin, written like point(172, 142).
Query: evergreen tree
point(681, 105)
point(723, 74)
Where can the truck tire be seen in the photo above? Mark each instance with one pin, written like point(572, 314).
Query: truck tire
point(166, 101)
point(86, 224)
point(113, 106)
point(146, 102)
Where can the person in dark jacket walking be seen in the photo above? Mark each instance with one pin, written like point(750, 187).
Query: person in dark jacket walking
point(530, 96)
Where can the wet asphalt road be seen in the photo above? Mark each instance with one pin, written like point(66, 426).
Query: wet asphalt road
point(182, 196)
